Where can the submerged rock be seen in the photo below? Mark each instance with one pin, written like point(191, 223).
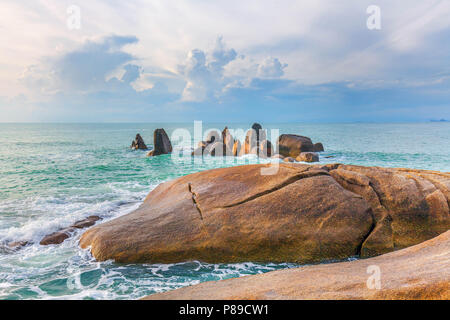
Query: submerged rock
point(161, 143)
point(138, 143)
point(303, 213)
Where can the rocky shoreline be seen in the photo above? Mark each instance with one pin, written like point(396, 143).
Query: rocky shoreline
point(418, 272)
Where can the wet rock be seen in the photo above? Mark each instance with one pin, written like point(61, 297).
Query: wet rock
point(291, 145)
point(57, 237)
point(63, 234)
point(318, 147)
point(138, 143)
point(89, 221)
point(288, 159)
point(308, 157)
point(16, 245)
point(162, 144)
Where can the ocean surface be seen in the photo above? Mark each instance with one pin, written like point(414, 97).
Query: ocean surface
point(52, 175)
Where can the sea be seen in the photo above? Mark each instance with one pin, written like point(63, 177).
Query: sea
point(53, 174)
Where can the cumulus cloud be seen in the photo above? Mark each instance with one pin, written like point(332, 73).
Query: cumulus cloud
point(85, 69)
point(209, 75)
point(295, 55)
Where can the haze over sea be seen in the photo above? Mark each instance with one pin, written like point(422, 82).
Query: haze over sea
point(52, 175)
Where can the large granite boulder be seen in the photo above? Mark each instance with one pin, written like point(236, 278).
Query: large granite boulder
point(138, 143)
point(161, 143)
point(291, 145)
point(303, 214)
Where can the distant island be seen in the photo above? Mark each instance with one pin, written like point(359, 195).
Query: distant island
point(441, 120)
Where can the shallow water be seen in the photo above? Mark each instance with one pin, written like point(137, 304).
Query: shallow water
point(52, 175)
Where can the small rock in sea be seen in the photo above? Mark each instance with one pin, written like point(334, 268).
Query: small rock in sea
point(161, 142)
point(57, 237)
point(61, 235)
point(291, 145)
point(138, 143)
point(308, 157)
point(16, 245)
point(328, 157)
point(318, 147)
point(89, 221)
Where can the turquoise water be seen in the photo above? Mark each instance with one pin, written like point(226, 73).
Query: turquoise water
point(52, 175)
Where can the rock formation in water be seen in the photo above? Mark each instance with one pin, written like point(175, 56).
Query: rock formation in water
point(138, 143)
point(161, 143)
point(63, 234)
point(307, 157)
point(303, 213)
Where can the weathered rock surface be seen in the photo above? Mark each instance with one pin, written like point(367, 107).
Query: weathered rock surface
point(138, 143)
point(57, 237)
point(63, 234)
point(302, 214)
point(161, 143)
point(418, 272)
point(318, 147)
point(308, 157)
point(291, 145)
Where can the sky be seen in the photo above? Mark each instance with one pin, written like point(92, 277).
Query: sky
point(236, 61)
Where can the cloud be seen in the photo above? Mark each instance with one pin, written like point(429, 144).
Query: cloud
point(303, 54)
point(209, 75)
point(271, 68)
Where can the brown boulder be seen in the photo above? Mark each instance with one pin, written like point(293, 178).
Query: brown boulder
point(318, 147)
point(236, 148)
point(161, 143)
point(308, 157)
point(303, 213)
point(138, 143)
point(57, 237)
point(291, 145)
